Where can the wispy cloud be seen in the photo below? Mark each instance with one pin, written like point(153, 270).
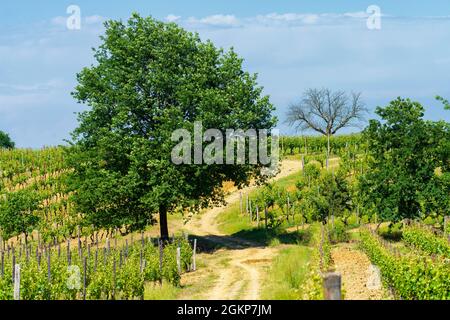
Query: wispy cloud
point(217, 20)
point(172, 18)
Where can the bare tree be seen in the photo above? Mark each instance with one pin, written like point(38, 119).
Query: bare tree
point(326, 112)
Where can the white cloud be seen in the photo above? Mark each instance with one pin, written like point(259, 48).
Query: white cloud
point(172, 18)
point(51, 84)
point(217, 20)
point(357, 15)
point(287, 17)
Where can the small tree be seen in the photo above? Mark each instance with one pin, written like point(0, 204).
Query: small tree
point(5, 141)
point(326, 112)
point(17, 213)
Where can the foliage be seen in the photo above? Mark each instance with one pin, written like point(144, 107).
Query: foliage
point(310, 145)
point(412, 277)
point(17, 213)
point(110, 273)
point(426, 240)
point(5, 141)
point(405, 152)
point(152, 78)
point(321, 261)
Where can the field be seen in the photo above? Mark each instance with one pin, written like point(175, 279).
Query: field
point(268, 242)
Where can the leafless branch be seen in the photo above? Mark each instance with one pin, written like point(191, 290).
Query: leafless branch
point(327, 112)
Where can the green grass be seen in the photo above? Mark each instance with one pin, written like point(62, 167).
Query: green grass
point(287, 273)
point(154, 291)
point(231, 221)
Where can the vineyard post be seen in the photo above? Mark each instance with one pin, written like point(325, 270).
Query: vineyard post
point(240, 202)
point(332, 286)
point(287, 209)
point(265, 216)
point(84, 277)
point(141, 261)
point(96, 260)
point(108, 246)
point(48, 265)
point(246, 205)
point(446, 219)
point(13, 264)
point(79, 242)
point(104, 256)
point(251, 211)
point(37, 253)
point(257, 215)
point(16, 281)
point(194, 253)
point(357, 214)
point(179, 259)
point(3, 264)
point(303, 164)
point(114, 279)
point(68, 252)
point(160, 259)
point(59, 250)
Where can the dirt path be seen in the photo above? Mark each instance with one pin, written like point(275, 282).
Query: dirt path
point(355, 268)
point(239, 278)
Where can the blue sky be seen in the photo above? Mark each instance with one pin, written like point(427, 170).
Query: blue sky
point(292, 45)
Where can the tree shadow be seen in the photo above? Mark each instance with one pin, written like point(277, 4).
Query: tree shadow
point(251, 238)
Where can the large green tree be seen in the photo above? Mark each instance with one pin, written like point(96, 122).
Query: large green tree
point(5, 141)
point(151, 78)
point(406, 155)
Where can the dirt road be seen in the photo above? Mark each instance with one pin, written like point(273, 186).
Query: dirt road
point(356, 271)
point(239, 276)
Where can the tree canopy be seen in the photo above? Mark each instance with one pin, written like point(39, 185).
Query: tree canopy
point(407, 155)
point(5, 141)
point(151, 78)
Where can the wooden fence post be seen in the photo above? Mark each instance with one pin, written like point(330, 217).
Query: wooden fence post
point(49, 269)
point(446, 220)
point(16, 281)
point(257, 215)
point(194, 253)
point(179, 260)
point(265, 216)
point(161, 252)
point(84, 277)
point(240, 202)
point(332, 286)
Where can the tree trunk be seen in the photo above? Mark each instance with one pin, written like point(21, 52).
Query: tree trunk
point(328, 149)
point(163, 223)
